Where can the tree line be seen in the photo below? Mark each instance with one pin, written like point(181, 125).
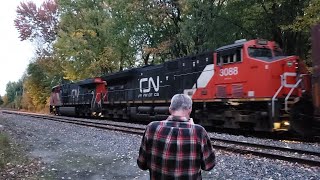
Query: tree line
point(87, 38)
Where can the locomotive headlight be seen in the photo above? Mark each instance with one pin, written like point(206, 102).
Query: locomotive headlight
point(262, 42)
point(289, 63)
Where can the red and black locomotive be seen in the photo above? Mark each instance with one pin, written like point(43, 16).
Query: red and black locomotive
point(245, 85)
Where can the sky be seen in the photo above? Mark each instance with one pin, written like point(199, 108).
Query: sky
point(15, 55)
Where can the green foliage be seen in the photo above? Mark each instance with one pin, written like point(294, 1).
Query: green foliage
point(13, 91)
point(112, 35)
point(5, 100)
point(1, 101)
point(267, 19)
point(85, 46)
point(310, 17)
point(42, 74)
point(206, 25)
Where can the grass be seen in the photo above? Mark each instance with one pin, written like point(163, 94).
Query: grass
point(14, 164)
point(6, 152)
point(14, 161)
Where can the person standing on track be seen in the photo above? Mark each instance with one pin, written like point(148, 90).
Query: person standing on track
point(176, 148)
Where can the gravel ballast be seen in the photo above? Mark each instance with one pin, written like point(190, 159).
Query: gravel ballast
point(75, 152)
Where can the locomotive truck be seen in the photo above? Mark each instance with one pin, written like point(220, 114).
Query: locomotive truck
point(249, 85)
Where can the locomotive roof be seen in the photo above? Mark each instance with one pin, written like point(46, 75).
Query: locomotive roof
point(231, 46)
point(119, 75)
point(87, 81)
point(129, 73)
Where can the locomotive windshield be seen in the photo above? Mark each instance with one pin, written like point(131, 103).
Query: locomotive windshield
point(259, 52)
point(278, 52)
point(264, 54)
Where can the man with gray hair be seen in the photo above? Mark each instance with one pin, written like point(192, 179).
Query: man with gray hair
point(176, 148)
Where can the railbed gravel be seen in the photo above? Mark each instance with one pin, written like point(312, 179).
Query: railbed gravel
point(281, 143)
point(75, 152)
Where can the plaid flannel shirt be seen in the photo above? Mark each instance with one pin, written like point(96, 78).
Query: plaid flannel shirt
point(175, 149)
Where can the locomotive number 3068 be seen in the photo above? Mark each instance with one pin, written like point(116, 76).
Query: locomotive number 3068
point(229, 71)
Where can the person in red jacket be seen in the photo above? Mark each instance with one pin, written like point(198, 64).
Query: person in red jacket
point(176, 148)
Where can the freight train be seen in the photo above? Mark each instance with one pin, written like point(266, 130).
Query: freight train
point(249, 85)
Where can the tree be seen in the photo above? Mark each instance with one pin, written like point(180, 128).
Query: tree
point(38, 23)
point(13, 89)
point(155, 29)
point(270, 19)
point(1, 101)
point(205, 26)
point(41, 76)
point(82, 44)
point(5, 100)
point(310, 17)
point(13, 94)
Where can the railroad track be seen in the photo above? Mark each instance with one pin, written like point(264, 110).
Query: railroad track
point(311, 158)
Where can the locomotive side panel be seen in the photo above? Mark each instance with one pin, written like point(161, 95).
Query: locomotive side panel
point(150, 84)
point(197, 74)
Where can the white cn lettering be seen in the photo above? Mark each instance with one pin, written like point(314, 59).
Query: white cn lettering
point(151, 83)
point(74, 92)
point(141, 81)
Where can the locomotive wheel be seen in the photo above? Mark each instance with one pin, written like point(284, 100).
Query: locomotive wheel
point(301, 118)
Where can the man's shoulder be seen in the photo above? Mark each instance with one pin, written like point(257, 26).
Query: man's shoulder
point(153, 124)
point(201, 131)
point(198, 127)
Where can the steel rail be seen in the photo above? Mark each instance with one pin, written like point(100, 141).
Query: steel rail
point(263, 146)
point(288, 158)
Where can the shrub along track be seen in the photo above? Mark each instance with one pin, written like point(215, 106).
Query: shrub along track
point(311, 158)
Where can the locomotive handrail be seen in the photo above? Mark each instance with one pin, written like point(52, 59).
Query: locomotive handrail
point(92, 99)
point(290, 92)
point(192, 73)
point(276, 94)
point(133, 89)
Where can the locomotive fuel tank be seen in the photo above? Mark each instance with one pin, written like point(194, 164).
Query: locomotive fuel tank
point(68, 111)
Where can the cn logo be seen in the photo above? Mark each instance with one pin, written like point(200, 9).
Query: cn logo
point(151, 83)
point(74, 93)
